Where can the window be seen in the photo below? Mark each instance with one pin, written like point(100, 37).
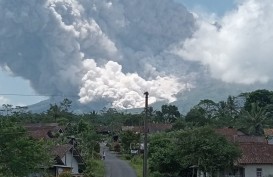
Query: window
point(258, 172)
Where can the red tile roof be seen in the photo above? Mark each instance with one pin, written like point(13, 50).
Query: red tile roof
point(256, 153)
point(228, 133)
point(250, 139)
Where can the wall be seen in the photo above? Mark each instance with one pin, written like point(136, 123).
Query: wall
point(69, 160)
point(250, 170)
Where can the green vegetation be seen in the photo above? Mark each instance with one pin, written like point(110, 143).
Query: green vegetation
point(137, 163)
point(20, 155)
point(65, 174)
point(95, 168)
point(191, 141)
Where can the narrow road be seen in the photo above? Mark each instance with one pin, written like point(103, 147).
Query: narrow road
point(116, 167)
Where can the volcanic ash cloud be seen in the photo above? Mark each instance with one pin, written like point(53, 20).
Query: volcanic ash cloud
point(239, 48)
point(97, 49)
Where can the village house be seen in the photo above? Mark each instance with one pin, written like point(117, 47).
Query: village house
point(66, 156)
point(257, 155)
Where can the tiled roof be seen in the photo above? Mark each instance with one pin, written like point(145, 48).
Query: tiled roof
point(228, 133)
point(268, 132)
point(256, 153)
point(52, 126)
point(233, 135)
point(250, 139)
point(156, 127)
point(61, 150)
point(41, 131)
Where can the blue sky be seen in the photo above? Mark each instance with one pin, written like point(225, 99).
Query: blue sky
point(16, 85)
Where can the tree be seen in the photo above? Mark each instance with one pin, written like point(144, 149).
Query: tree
point(163, 156)
point(206, 149)
point(60, 110)
point(168, 114)
point(55, 111)
point(65, 105)
point(228, 112)
point(20, 155)
point(254, 121)
point(127, 138)
point(261, 97)
point(88, 138)
point(197, 116)
point(179, 124)
point(7, 108)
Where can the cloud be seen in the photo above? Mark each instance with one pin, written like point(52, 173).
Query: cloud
point(4, 100)
point(99, 49)
point(238, 48)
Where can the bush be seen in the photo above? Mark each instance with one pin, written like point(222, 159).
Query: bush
point(127, 156)
point(95, 168)
point(65, 174)
point(96, 156)
point(97, 148)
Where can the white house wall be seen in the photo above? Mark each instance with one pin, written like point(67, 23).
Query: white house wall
point(250, 170)
point(70, 161)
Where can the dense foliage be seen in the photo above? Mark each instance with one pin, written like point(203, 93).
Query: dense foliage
point(173, 153)
point(20, 155)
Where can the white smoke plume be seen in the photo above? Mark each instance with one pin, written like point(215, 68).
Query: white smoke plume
point(239, 47)
point(111, 50)
point(124, 90)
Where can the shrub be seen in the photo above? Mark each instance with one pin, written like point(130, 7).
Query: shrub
point(97, 148)
point(65, 174)
point(127, 156)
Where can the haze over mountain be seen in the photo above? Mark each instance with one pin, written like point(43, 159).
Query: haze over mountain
point(108, 52)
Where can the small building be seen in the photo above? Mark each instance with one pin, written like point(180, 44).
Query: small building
point(257, 155)
point(256, 160)
point(67, 158)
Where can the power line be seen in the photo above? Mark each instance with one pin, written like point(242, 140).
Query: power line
point(36, 95)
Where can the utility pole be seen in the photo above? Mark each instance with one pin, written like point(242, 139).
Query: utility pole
point(145, 136)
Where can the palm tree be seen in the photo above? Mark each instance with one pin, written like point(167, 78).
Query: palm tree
point(255, 120)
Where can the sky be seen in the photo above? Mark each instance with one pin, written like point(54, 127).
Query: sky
point(17, 91)
point(209, 6)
